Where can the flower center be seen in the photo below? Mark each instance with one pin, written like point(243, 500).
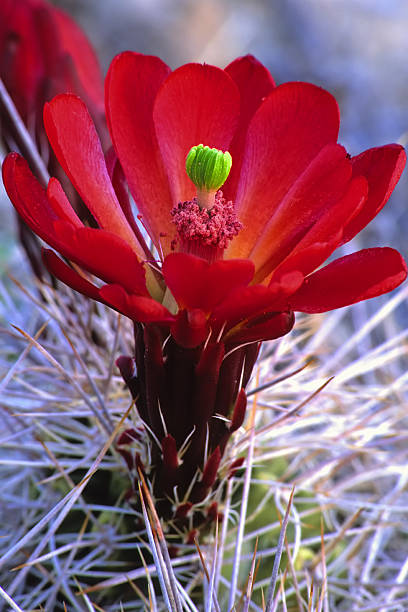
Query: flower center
point(206, 224)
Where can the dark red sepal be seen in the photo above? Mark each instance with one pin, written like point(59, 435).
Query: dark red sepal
point(128, 437)
point(234, 467)
point(211, 468)
point(169, 449)
point(190, 328)
point(206, 378)
point(170, 463)
point(183, 510)
point(127, 368)
point(209, 476)
point(207, 374)
point(212, 512)
point(238, 415)
point(192, 536)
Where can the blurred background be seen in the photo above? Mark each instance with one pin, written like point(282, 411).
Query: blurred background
point(357, 49)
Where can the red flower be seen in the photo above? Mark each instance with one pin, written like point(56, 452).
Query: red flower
point(297, 194)
point(43, 52)
point(221, 276)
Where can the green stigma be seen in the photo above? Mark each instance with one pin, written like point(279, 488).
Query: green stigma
point(208, 168)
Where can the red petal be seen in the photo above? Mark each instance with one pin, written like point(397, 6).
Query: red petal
point(197, 104)
point(195, 283)
point(318, 188)
point(266, 327)
point(130, 90)
point(254, 83)
point(326, 234)
point(75, 141)
point(103, 254)
point(22, 60)
point(120, 186)
point(43, 21)
point(137, 308)
point(60, 203)
point(382, 168)
point(29, 198)
point(69, 276)
point(350, 279)
point(286, 133)
point(38, 207)
point(75, 43)
point(244, 303)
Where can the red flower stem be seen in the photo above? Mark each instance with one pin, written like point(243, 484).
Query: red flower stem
point(27, 146)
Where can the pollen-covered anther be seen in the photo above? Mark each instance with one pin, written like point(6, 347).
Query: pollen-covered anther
point(213, 227)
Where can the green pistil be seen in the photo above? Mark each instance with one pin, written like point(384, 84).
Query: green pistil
point(208, 169)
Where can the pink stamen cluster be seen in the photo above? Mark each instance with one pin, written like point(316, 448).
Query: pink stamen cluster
point(214, 226)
